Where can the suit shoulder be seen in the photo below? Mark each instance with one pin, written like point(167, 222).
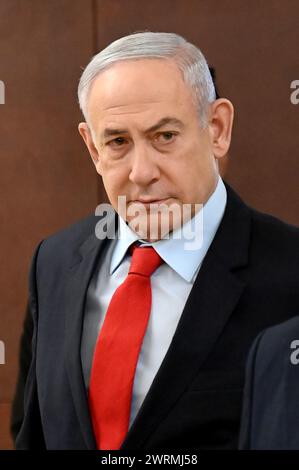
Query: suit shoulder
point(271, 380)
point(271, 354)
point(278, 338)
point(75, 231)
point(62, 243)
point(267, 223)
point(274, 237)
point(267, 229)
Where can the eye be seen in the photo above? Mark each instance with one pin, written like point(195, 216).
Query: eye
point(117, 142)
point(165, 137)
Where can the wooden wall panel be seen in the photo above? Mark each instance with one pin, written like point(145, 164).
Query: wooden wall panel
point(47, 179)
point(5, 438)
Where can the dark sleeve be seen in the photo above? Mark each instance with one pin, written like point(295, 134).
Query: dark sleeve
point(248, 395)
point(30, 435)
point(17, 412)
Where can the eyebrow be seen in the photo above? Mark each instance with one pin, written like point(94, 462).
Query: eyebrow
point(108, 132)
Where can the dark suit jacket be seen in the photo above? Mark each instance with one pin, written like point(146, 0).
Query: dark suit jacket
point(271, 400)
point(25, 355)
point(246, 283)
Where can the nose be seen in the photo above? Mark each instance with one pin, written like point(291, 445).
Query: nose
point(144, 168)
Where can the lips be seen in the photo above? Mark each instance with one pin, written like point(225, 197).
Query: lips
point(150, 200)
point(147, 202)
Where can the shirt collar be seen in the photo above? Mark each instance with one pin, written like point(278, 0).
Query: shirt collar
point(179, 251)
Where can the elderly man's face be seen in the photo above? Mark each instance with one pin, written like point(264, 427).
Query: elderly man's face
point(149, 145)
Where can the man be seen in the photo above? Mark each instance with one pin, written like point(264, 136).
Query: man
point(17, 411)
point(270, 411)
point(142, 323)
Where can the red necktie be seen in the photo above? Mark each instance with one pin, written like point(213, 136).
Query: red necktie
point(117, 350)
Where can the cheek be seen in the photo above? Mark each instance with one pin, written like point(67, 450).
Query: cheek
point(185, 165)
point(201, 160)
point(193, 172)
point(115, 181)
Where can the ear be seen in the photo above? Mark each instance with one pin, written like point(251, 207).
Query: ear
point(85, 132)
point(220, 126)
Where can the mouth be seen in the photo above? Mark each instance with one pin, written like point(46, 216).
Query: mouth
point(148, 202)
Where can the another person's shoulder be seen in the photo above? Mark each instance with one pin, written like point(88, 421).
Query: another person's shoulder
point(275, 342)
point(270, 394)
point(269, 364)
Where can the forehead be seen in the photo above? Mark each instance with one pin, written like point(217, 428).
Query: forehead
point(138, 88)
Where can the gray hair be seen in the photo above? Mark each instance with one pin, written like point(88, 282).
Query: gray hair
point(188, 58)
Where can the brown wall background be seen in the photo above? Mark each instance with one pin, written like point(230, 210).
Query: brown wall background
point(47, 179)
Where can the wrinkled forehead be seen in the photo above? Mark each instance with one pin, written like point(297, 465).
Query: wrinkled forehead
point(138, 87)
point(143, 80)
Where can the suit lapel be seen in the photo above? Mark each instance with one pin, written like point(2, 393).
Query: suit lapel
point(81, 269)
point(210, 304)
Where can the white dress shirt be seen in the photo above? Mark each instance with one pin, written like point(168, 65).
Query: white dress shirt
point(171, 284)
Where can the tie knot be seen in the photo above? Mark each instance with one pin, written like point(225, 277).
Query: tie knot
point(144, 260)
